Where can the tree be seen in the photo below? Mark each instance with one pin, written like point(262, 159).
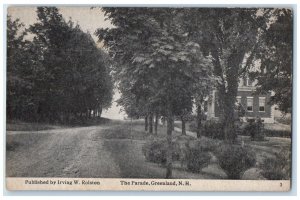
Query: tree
point(20, 97)
point(275, 56)
point(66, 75)
point(155, 55)
point(230, 36)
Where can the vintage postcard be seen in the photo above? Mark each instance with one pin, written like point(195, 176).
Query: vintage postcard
point(149, 98)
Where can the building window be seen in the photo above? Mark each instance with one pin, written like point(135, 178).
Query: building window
point(250, 104)
point(262, 104)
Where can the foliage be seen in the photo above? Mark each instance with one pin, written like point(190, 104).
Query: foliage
point(235, 160)
point(277, 133)
point(159, 54)
point(213, 129)
point(155, 150)
point(208, 144)
point(228, 35)
point(156, 61)
point(62, 74)
point(275, 55)
point(167, 58)
point(254, 128)
point(278, 167)
point(197, 159)
point(233, 37)
point(19, 77)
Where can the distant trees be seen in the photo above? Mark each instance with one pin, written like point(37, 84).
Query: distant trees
point(68, 76)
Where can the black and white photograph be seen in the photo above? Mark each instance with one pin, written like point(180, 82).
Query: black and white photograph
point(149, 97)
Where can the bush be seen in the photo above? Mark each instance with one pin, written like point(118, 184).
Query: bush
point(254, 128)
point(155, 150)
point(213, 129)
point(277, 133)
point(193, 126)
point(235, 160)
point(278, 167)
point(197, 159)
point(208, 144)
point(187, 117)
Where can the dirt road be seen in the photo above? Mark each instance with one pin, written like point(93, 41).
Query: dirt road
point(72, 152)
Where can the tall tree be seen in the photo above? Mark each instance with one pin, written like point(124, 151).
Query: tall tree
point(164, 59)
point(20, 85)
point(62, 71)
point(229, 35)
point(275, 55)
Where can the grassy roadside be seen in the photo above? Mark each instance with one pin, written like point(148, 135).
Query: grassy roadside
point(16, 125)
point(26, 126)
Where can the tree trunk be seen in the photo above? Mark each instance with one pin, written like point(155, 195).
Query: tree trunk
point(89, 113)
point(146, 123)
point(151, 123)
point(99, 112)
point(230, 97)
point(170, 122)
point(156, 123)
point(183, 126)
point(227, 94)
point(173, 125)
point(229, 129)
point(199, 119)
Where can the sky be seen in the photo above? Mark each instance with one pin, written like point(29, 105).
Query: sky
point(88, 19)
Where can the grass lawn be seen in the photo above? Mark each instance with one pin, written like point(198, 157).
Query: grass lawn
point(26, 126)
point(16, 125)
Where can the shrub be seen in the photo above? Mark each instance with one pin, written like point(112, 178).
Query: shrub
point(155, 150)
point(197, 159)
point(278, 167)
point(193, 126)
point(213, 129)
point(187, 117)
point(208, 144)
point(277, 133)
point(235, 160)
point(254, 128)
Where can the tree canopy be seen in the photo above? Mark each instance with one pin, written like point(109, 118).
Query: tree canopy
point(157, 62)
point(69, 75)
point(276, 59)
